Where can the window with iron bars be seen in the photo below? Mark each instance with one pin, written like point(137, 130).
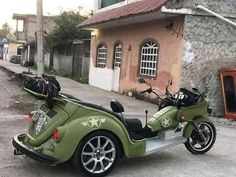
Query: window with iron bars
point(149, 59)
point(101, 56)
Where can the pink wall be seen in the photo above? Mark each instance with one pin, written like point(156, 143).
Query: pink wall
point(170, 52)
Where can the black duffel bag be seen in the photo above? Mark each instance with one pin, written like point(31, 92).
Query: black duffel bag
point(47, 85)
point(43, 85)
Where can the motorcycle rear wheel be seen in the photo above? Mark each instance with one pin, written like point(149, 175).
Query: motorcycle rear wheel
point(197, 144)
point(97, 154)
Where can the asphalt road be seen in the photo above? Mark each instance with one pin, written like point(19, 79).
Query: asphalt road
point(176, 161)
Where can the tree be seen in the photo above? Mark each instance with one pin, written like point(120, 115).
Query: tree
point(66, 30)
point(6, 32)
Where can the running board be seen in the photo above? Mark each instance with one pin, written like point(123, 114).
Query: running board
point(159, 143)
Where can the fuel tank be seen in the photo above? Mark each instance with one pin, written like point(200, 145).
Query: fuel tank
point(164, 119)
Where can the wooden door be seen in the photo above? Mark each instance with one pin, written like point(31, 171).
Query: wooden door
point(228, 83)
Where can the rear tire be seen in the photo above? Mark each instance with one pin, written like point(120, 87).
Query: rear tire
point(97, 154)
point(200, 145)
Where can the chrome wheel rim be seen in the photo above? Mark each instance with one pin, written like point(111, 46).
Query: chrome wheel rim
point(201, 144)
point(98, 154)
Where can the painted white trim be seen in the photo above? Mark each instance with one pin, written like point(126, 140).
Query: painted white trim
point(126, 2)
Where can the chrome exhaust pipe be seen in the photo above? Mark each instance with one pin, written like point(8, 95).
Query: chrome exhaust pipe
point(16, 152)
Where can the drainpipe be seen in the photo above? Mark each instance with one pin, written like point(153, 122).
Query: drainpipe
point(28, 53)
point(215, 14)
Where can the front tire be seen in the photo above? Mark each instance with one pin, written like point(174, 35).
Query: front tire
point(97, 154)
point(197, 144)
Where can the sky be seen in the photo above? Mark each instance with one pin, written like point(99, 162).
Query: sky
point(50, 7)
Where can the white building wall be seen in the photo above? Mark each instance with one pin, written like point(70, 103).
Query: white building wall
point(100, 77)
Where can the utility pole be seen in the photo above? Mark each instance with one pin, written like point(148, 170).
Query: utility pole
point(40, 57)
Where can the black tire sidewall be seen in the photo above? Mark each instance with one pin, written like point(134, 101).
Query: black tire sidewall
point(77, 156)
point(189, 147)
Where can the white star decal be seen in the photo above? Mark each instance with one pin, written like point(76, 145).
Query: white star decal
point(166, 122)
point(93, 122)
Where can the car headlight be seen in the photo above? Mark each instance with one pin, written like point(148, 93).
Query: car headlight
point(41, 122)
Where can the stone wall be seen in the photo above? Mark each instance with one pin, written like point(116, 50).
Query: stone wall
point(210, 45)
point(219, 6)
point(205, 74)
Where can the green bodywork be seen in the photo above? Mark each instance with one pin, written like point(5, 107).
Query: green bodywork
point(164, 119)
point(194, 111)
point(75, 121)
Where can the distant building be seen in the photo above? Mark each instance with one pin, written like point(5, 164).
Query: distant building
point(14, 49)
point(161, 40)
point(26, 28)
point(3, 48)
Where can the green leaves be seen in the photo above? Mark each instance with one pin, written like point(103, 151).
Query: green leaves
point(66, 30)
point(6, 32)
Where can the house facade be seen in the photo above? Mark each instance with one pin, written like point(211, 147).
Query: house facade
point(161, 40)
point(26, 28)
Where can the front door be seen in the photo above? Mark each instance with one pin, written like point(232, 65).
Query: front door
point(228, 81)
point(116, 67)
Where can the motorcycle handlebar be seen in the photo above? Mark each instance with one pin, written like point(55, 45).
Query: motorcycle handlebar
point(148, 90)
point(151, 90)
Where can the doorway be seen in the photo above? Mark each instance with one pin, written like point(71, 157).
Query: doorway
point(116, 67)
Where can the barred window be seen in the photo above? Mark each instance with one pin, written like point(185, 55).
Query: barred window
point(149, 59)
point(101, 56)
point(117, 55)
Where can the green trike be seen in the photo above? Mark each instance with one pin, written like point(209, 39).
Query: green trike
point(94, 138)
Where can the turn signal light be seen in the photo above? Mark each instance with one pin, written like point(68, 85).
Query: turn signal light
point(56, 135)
point(182, 118)
point(29, 118)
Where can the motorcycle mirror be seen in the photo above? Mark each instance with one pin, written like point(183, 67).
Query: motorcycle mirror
point(141, 81)
point(170, 82)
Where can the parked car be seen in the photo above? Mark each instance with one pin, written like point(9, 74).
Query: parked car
point(15, 59)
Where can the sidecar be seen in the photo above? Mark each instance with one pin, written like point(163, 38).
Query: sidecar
point(93, 137)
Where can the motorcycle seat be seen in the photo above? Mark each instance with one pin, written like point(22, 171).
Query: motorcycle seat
point(134, 125)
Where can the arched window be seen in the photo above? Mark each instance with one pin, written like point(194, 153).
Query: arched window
point(149, 59)
point(101, 56)
point(117, 55)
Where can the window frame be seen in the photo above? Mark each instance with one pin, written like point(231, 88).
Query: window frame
point(142, 44)
point(101, 46)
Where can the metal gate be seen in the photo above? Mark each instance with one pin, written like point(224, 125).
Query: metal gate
point(77, 61)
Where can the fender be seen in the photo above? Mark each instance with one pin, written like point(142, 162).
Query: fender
point(76, 130)
point(189, 127)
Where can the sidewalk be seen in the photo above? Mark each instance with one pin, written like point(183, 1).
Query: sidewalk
point(87, 93)
point(133, 108)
